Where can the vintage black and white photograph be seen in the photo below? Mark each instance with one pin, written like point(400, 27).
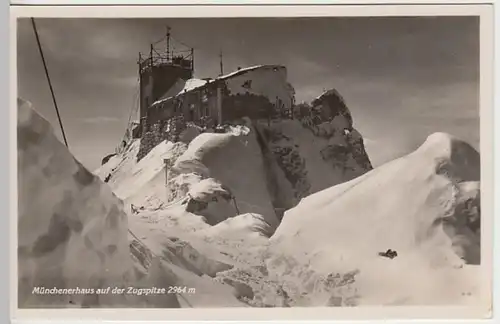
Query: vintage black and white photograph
point(249, 162)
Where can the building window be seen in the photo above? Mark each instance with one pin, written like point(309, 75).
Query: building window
point(247, 84)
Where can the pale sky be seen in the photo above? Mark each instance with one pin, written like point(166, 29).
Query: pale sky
point(402, 78)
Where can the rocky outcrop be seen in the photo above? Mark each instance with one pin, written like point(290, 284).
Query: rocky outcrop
point(319, 148)
point(289, 159)
point(160, 131)
point(330, 105)
point(332, 120)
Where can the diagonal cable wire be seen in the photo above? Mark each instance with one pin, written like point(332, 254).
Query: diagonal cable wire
point(48, 80)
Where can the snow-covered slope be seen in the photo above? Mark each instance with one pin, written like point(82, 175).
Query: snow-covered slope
point(216, 176)
point(423, 206)
point(73, 234)
point(66, 215)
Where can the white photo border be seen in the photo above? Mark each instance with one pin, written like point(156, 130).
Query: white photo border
point(485, 11)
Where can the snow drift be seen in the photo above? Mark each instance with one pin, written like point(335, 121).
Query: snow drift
point(235, 161)
point(423, 206)
point(216, 176)
point(73, 235)
point(66, 215)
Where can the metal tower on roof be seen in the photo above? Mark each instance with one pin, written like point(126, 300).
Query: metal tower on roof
point(174, 52)
point(168, 61)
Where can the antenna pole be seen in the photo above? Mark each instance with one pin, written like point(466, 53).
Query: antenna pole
point(151, 56)
point(192, 60)
point(168, 42)
point(221, 64)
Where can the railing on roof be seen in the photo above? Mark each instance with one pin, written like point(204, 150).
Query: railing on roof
point(182, 57)
point(184, 61)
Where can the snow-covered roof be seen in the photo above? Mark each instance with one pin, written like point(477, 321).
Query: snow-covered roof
point(190, 85)
point(248, 69)
point(193, 84)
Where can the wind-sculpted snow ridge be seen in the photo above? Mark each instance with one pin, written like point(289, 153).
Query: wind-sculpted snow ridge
point(232, 172)
point(72, 231)
point(424, 206)
point(73, 238)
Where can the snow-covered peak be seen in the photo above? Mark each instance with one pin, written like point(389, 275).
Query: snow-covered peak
point(430, 218)
point(443, 145)
point(405, 217)
point(451, 155)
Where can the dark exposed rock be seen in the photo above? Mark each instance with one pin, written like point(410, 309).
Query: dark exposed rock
point(194, 206)
point(160, 131)
point(137, 131)
point(106, 158)
point(388, 254)
point(330, 104)
point(108, 177)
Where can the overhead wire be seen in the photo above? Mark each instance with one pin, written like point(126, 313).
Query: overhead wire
point(35, 30)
